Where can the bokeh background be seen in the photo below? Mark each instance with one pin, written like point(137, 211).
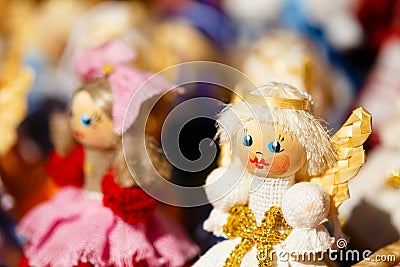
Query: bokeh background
point(345, 53)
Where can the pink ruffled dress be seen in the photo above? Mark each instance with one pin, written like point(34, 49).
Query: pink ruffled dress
point(121, 228)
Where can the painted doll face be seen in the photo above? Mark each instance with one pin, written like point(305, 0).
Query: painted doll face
point(90, 125)
point(268, 151)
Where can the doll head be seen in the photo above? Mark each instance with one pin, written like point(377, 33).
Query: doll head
point(283, 56)
point(291, 58)
point(99, 109)
point(274, 133)
point(91, 118)
point(112, 82)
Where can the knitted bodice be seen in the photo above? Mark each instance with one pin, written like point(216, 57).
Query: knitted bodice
point(268, 193)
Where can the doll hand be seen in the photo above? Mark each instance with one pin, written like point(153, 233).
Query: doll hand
point(238, 194)
point(61, 134)
point(305, 207)
point(216, 221)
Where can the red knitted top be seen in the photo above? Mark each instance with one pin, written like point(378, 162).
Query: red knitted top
point(132, 204)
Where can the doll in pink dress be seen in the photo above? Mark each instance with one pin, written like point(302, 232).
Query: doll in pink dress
point(101, 217)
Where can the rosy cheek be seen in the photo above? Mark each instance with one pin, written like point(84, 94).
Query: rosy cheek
point(280, 164)
point(78, 134)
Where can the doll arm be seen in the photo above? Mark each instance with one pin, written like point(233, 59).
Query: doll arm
point(131, 204)
point(66, 170)
point(61, 134)
point(237, 196)
point(65, 163)
point(305, 207)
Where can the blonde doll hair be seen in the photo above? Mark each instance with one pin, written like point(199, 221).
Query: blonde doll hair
point(301, 123)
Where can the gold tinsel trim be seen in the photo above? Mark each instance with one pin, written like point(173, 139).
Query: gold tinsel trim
point(393, 180)
point(242, 223)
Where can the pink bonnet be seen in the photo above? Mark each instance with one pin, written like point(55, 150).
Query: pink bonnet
point(112, 60)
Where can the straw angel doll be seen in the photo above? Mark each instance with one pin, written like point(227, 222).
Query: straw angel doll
point(101, 217)
point(293, 179)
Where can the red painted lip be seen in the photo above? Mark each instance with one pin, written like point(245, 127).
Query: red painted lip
point(78, 134)
point(260, 164)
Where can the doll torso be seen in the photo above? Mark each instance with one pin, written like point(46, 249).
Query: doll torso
point(96, 164)
point(269, 193)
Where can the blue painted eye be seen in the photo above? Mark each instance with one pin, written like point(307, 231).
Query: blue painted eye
point(247, 140)
point(86, 120)
point(275, 147)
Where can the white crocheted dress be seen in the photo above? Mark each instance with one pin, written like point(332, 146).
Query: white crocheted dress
point(265, 193)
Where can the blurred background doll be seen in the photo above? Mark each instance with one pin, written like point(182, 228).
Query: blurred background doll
point(334, 35)
point(100, 217)
point(335, 21)
point(284, 153)
point(291, 58)
point(15, 82)
point(198, 39)
point(43, 40)
point(335, 30)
